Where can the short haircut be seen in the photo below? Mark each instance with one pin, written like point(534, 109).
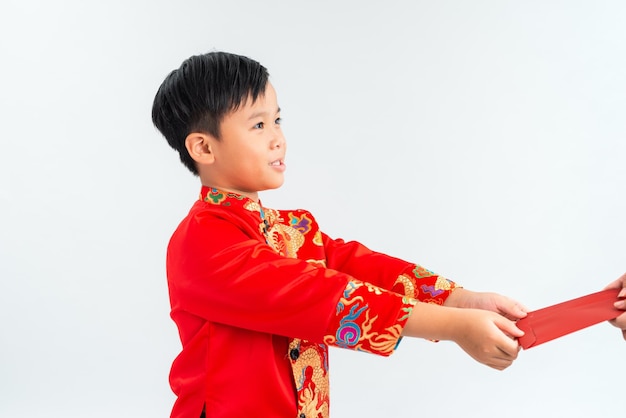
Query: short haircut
point(197, 96)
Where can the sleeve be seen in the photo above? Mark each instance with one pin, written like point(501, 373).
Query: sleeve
point(218, 273)
point(359, 324)
point(408, 279)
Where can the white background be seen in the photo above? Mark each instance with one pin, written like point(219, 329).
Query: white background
point(483, 139)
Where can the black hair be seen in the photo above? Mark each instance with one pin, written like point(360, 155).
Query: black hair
point(196, 96)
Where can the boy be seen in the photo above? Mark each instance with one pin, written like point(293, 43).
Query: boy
point(258, 294)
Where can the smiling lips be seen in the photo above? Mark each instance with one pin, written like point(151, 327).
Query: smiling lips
point(278, 164)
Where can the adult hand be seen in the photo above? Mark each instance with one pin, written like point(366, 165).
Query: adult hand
point(620, 321)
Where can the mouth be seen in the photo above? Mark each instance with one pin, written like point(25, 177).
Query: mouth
point(277, 163)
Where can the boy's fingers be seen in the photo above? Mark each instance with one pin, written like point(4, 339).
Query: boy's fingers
point(520, 311)
point(510, 328)
point(513, 310)
point(509, 349)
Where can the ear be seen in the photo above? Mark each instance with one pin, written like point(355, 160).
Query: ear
point(198, 145)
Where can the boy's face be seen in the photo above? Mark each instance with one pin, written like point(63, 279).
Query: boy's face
point(250, 155)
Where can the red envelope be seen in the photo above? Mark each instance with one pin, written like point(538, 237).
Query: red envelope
point(555, 321)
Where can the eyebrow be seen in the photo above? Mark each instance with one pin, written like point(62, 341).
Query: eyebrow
point(257, 114)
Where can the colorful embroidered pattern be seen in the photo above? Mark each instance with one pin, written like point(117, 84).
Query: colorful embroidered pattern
point(421, 272)
point(367, 318)
point(284, 239)
point(356, 326)
point(301, 223)
point(217, 197)
point(424, 285)
point(349, 332)
point(309, 363)
point(431, 290)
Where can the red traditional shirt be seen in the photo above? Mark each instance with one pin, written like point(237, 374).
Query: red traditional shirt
point(259, 295)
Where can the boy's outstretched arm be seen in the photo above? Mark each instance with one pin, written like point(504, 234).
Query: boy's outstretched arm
point(487, 337)
point(620, 321)
point(507, 307)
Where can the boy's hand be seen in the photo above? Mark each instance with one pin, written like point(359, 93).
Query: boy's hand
point(487, 337)
point(509, 308)
point(620, 321)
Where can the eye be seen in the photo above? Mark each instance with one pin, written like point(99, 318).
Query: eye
point(278, 121)
point(259, 125)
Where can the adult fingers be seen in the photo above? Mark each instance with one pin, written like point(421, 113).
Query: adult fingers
point(616, 284)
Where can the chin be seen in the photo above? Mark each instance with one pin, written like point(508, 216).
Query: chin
point(274, 185)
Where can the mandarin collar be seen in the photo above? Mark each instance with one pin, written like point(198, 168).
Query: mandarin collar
point(219, 197)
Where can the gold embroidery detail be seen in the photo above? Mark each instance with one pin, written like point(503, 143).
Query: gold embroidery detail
point(442, 283)
point(310, 369)
point(317, 239)
point(373, 289)
point(311, 378)
point(317, 263)
point(285, 240)
point(252, 206)
point(385, 344)
point(409, 285)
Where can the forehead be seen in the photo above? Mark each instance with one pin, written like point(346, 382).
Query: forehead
point(267, 100)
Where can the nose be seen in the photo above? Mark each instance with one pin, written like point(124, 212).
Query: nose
point(279, 140)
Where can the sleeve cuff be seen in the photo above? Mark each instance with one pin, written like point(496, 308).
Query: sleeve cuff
point(369, 319)
point(424, 285)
